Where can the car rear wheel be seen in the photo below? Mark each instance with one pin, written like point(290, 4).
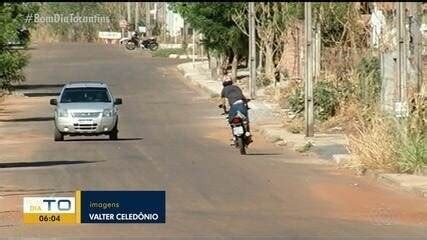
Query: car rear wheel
point(58, 136)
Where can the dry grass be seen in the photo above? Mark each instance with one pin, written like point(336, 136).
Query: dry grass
point(42, 34)
point(374, 145)
point(348, 116)
point(296, 126)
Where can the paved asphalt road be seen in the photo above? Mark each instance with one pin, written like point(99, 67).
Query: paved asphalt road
point(172, 138)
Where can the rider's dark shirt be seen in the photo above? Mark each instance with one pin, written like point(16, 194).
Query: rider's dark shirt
point(232, 93)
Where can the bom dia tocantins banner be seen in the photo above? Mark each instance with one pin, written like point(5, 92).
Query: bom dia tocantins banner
point(97, 207)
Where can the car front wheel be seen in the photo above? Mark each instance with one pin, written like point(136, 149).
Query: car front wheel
point(114, 134)
point(58, 135)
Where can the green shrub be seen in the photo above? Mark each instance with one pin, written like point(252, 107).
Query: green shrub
point(168, 51)
point(369, 75)
point(413, 138)
point(325, 100)
point(413, 154)
point(305, 148)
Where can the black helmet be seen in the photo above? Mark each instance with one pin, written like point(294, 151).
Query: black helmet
point(227, 81)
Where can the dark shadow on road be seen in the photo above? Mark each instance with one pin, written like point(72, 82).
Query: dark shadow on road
point(33, 119)
point(326, 152)
point(42, 163)
point(35, 193)
point(264, 154)
point(6, 226)
point(101, 140)
point(41, 94)
point(36, 86)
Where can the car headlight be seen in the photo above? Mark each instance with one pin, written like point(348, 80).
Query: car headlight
point(62, 113)
point(107, 113)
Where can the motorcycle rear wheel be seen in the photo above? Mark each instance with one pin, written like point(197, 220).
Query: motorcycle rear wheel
point(241, 145)
point(130, 45)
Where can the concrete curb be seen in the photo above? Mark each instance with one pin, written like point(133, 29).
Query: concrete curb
point(409, 183)
point(190, 77)
point(276, 134)
point(340, 158)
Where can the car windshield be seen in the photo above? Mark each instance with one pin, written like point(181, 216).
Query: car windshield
point(75, 95)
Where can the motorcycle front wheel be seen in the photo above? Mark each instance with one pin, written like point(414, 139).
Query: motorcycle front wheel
point(130, 45)
point(154, 46)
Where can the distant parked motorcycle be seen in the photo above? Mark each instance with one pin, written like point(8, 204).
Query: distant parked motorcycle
point(150, 44)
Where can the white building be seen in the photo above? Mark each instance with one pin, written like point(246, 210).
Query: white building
point(174, 23)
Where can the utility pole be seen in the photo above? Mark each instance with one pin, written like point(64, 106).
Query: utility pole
point(184, 34)
point(194, 47)
point(136, 15)
point(416, 45)
point(164, 21)
point(308, 72)
point(252, 51)
point(147, 19)
point(128, 18)
point(402, 56)
point(317, 48)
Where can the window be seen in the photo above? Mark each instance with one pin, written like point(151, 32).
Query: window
point(75, 95)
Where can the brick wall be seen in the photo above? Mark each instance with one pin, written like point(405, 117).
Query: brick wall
point(292, 54)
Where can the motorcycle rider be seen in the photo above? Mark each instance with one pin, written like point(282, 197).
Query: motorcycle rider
point(236, 100)
point(135, 37)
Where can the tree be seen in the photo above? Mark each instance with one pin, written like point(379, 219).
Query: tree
point(272, 21)
point(12, 20)
point(222, 38)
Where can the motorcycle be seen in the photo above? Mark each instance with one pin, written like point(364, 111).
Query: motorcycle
point(150, 43)
point(240, 128)
point(124, 40)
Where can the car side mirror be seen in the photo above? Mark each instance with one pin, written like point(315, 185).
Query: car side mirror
point(53, 102)
point(118, 101)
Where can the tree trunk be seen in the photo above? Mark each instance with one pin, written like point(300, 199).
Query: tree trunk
point(209, 60)
point(234, 66)
point(260, 58)
point(219, 67)
point(269, 62)
point(214, 65)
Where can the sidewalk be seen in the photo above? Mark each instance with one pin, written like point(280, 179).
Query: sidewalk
point(267, 117)
point(330, 147)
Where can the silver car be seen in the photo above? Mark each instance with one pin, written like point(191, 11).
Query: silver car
point(86, 108)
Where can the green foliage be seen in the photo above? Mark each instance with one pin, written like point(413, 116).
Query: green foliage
point(296, 100)
point(325, 100)
point(168, 51)
point(214, 21)
point(369, 75)
point(412, 137)
point(12, 61)
point(305, 148)
point(332, 17)
point(413, 153)
point(325, 96)
point(395, 145)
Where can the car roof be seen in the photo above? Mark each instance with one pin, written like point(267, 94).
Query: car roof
point(85, 84)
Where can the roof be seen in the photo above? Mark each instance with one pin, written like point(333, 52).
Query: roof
point(84, 84)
